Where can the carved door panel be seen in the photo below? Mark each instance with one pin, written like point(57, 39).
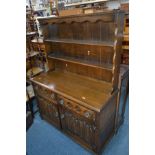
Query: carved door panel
point(77, 125)
point(49, 111)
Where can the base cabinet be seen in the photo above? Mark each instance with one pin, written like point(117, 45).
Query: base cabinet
point(88, 127)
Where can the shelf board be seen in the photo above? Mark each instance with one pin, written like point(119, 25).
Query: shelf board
point(125, 47)
point(85, 2)
point(81, 62)
point(40, 10)
point(35, 70)
point(126, 37)
point(81, 42)
point(39, 40)
point(32, 54)
point(31, 33)
point(28, 13)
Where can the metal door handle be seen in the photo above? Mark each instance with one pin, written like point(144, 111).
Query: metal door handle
point(61, 101)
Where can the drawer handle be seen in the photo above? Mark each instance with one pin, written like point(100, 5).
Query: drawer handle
point(53, 96)
point(61, 101)
point(87, 114)
point(62, 116)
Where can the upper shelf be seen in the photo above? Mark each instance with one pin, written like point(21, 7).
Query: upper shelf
point(82, 42)
point(105, 16)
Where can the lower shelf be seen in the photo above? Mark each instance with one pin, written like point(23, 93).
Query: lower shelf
point(34, 71)
point(125, 47)
point(96, 64)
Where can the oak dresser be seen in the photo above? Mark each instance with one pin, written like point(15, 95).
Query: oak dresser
point(78, 94)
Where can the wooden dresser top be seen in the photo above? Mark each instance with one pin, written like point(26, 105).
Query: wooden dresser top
point(88, 92)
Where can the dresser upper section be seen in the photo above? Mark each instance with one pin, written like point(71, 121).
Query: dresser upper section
point(98, 28)
point(88, 45)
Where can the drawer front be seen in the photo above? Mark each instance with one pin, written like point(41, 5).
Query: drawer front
point(45, 93)
point(49, 111)
point(76, 108)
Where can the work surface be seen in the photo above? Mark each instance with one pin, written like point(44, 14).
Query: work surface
point(89, 92)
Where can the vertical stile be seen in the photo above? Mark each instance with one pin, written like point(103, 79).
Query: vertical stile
point(115, 52)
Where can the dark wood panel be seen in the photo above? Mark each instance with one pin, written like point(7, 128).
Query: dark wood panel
point(107, 16)
point(97, 32)
point(85, 62)
point(100, 54)
point(49, 110)
point(84, 69)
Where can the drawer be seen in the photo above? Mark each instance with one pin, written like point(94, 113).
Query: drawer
point(76, 108)
point(45, 93)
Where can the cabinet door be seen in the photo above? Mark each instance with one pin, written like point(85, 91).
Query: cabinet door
point(49, 111)
point(77, 126)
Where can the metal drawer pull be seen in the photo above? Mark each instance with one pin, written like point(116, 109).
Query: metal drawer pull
point(62, 116)
point(87, 114)
point(61, 101)
point(53, 96)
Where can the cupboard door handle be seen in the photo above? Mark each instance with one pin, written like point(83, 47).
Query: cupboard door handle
point(62, 116)
point(61, 101)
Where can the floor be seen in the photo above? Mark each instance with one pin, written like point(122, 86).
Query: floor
point(44, 139)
